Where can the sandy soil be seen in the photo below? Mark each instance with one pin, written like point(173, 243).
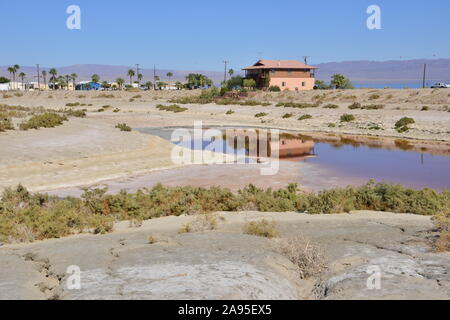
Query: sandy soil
point(91, 150)
point(226, 264)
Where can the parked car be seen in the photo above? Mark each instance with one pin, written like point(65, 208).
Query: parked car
point(440, 85)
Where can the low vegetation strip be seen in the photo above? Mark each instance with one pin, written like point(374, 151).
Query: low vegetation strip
point(173, 108)
point(27, 217)
point(45, 120)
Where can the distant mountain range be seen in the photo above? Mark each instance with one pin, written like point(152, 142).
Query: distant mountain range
point(360, 72)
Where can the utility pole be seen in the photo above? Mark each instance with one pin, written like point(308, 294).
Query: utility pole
point(424, 75)
point(137, 74)
point(305, 58)
point(225, 74)
point(154, 77)
point(38, 77)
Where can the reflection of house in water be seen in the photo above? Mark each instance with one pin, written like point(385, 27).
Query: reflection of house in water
point(291, 148)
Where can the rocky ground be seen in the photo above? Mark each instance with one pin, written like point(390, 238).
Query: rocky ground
point(227, 264)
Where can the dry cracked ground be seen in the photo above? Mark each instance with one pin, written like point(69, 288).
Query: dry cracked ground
point(227, 264)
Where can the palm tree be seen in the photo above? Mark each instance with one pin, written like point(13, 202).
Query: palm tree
point(95, 78)
point(11, 72)
point(148, 85)
point(68, 78)
point(53, 79)
point(169, 75)
point(120, 82)
point(44, 75)
point(74, 76)
point(231, 72)
point(131, 74)
point(22, 77)
point(140, 77)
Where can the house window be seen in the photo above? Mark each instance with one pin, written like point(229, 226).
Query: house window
point(289, 71)
point(303, 84)
point(283, 84)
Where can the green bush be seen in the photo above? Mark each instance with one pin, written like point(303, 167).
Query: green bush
point(274, 89)
point(229, 112)
point(6, 124)
point(123, 127)
point(355, 105)
point(260, 115)
point(287, 115)
point(45, 120)
point(43, 216)
point(402, 125)
point(347, 118)
point(75, 113)
point(305, 117)
point(297, 105)
point(75, 104)
point(331, 106)
point(173, 108)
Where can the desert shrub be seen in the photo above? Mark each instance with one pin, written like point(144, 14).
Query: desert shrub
point(372, 107)
point(425, 108)
point(347, 118)
point(123, 127)
point(305, 117)
point(262, 228)
point(203, 222)
point(138, 96)
point(274, 89)
point(442, 222)
point(304, 254)
point(287, 115)
point(101, 110)
point(297, 105)
point(24, 215)
point(74, 104)
point(6, 124)
point(229, 112)
point(260, 115)
point(116, 110)
point(104, 96)
point(206, 96)
point(355, 105)
point(374, 96)
point(331, 106)
point(331, 125)
point(75, 113)
point(152, 240)
point(402, 124)
point(45, 120)
point(173, 108)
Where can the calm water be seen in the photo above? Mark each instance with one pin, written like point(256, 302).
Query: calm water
point(362, 163)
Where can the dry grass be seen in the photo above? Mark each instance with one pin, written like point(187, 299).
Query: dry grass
point(263, 228)
point(203, 222)
point(442, 223)
point(304, 254)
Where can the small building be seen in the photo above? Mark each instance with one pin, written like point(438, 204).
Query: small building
point(286, 74)
point(88, 85)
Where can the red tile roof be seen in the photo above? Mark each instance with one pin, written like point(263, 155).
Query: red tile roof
point(279, 64)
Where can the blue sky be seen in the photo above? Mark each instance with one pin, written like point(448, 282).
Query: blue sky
point(200, 34)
